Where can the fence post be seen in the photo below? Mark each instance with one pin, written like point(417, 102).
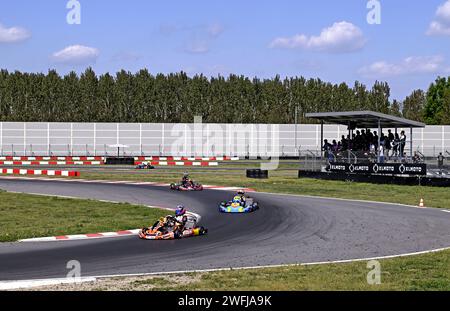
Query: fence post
point(140, 138)
point(163, 139)
point(25, 139)
point(95, 139)
point(1, 135)
point(71, 139)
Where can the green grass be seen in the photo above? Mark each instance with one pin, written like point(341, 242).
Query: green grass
point(287, 182)
point(427, 272)
point(415, 273)
point(28, 216)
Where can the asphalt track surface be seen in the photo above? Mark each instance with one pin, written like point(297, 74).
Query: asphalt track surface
point(287, 229)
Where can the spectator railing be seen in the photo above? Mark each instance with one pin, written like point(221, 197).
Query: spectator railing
point(421, 156)
point(310, 161)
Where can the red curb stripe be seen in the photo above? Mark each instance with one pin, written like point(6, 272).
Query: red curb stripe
point(125, 232)
point(94, 235)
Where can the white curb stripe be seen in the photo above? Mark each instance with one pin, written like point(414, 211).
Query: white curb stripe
point(10, 285)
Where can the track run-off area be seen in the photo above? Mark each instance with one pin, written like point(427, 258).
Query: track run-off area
point(288, 229)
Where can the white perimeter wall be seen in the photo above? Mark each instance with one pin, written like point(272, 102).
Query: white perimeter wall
point(185, 139)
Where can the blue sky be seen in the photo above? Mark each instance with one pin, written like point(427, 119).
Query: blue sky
point(326, 39)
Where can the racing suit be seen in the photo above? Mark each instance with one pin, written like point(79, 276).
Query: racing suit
point(179, 226)
point(185, 181)
point(242, 199)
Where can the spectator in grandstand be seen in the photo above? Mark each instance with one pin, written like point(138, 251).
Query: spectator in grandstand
point(395, 145)
point(334, 146)
point(363, 140)
point(369, 141)
point(349, 142)
point(357, 141)
point(344, 143)
point(390, 137)
point(388, 144)
point(381, 149)
point(402, 143)
point(326, 148)
point(375, 140)
point(326, 145)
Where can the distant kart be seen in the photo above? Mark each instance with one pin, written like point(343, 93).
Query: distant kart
point(238, 206)
point(144, 166)
point(168, 231)
point(188, 187)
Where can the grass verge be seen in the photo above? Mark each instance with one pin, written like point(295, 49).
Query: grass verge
point(423, 272)
point(28, 216)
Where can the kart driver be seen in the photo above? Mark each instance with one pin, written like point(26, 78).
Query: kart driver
point(185, 181)
point(241, 194)
point(180, 220)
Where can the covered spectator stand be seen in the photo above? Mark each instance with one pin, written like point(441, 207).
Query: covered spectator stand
point(366, 120)
point(370, 167)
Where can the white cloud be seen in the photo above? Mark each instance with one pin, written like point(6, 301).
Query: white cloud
point(410, 65)
point(197, 47)
point(441, 24)
point(215, 30)
point(13, 34)
point(339, 38)
point(76, 55)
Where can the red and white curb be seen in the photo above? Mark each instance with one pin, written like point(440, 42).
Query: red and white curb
point(11, 158)
point(139, 158)
point(51, 162)
point(102, 235)
point(16, 171)
point(84, 236)
point(183, 163)
point(186, 158)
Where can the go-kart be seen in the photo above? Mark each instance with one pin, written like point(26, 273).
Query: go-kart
point(144, 166)
point(168, 229)
point(238, 206)
point(186, 187)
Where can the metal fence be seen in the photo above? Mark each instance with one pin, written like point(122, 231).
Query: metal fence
point(196, 139)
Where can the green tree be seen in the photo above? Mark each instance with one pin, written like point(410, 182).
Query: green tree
point(395, 109)
point(413, 106)
point(433, 112)
point(446, 108)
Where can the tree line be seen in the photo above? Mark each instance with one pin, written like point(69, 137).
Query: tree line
point(172, 98)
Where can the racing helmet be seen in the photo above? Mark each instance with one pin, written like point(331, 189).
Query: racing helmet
point(241, 192)
point(180, 211)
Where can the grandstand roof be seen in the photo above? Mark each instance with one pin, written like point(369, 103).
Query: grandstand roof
point(364, 119)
